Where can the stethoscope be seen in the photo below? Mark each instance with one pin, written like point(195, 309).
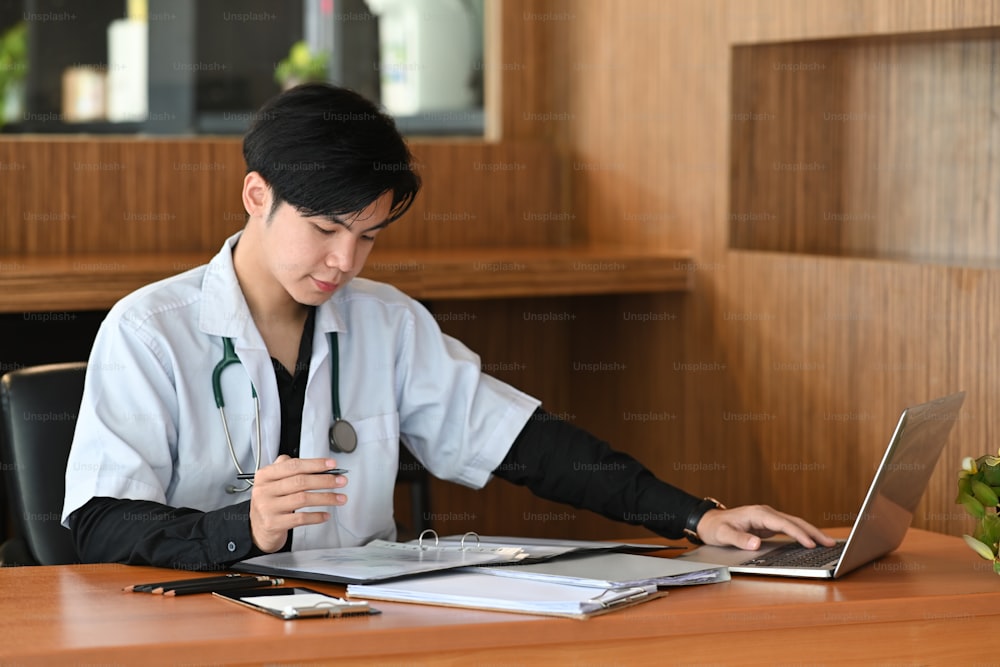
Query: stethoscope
point(343, 437)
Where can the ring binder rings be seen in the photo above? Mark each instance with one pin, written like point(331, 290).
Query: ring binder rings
point(378, 560)
point(437, 541)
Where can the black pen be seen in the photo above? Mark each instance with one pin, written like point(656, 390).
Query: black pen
point(147, 588)
point(244, 476)
point(244, 583)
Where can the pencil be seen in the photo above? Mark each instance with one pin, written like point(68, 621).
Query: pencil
point(244, 583)
point(147, 588)
point(202, 583)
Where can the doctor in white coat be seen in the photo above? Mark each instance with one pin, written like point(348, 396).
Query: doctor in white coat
point(254, 362)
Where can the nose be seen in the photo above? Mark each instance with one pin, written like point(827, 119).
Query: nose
point(341, 252)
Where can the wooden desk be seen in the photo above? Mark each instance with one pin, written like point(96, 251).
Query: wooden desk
point(931, 602)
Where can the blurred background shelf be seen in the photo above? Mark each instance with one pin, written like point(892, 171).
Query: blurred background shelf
point(97, 281)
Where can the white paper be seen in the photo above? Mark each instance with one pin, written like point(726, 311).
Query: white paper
point(483, 591)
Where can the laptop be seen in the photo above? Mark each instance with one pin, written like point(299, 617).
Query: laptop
point(885, 515)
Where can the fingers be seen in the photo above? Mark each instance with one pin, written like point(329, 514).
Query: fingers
point(285, 466)
point(743, 527)
point(282, 489)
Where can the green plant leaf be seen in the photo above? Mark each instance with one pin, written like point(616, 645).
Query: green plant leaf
point(988, 530)
point(972, 506)
point(990, 474)
point(984, 551)
point(964, 486)
point(984, 494)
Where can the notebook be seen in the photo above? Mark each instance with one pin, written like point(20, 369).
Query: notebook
point(885, 514)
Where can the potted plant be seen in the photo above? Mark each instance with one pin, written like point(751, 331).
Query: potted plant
point(13, 70)
point(978, 486)
point(301, 66)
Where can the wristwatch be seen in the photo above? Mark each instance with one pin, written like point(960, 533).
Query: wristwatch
point(691, 525)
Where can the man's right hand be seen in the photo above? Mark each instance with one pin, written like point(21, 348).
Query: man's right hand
point(283, 488)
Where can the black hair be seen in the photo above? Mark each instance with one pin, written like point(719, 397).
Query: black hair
point(328, 151)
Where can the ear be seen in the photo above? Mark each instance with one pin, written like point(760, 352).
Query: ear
point(256, 195)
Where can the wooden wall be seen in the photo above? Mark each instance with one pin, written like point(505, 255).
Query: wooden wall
point(780, 379)
point(787, 371)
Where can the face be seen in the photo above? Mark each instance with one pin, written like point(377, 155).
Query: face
point(312, 257)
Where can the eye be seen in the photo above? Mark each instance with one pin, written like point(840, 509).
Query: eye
point(368, 237)
point(324, 230)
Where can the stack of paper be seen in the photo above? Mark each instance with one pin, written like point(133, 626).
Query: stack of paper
point(483, 591)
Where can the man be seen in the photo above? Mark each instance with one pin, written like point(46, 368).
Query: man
point(273, 360)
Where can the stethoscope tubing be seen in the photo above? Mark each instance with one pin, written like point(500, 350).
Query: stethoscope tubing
point(343, 437)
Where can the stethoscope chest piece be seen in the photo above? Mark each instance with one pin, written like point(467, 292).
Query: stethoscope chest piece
point(343, 437)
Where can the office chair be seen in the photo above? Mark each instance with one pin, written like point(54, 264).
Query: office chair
point(413, 475)
point(38, 409)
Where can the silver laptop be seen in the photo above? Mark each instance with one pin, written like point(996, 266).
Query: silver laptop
point(885, 515)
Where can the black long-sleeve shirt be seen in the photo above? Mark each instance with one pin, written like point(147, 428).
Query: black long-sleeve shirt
point(551, 457)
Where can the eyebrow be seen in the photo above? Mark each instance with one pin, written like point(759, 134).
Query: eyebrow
point(338, 221)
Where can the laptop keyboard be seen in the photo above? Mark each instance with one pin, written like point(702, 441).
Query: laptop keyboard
point(796, 555)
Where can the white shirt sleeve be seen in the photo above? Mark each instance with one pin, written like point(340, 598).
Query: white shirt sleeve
point(127, 421)
point(458, 421)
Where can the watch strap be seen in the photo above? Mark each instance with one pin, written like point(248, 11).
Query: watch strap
point(691, 525)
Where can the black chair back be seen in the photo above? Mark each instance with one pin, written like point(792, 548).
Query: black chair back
point(38, 410)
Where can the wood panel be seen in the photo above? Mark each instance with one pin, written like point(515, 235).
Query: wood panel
point(871, 147)
point(31, 285)
point(78, 196)
point(791, 369)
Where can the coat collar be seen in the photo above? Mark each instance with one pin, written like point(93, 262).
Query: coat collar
point(224, 310)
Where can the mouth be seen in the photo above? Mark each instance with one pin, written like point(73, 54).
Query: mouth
point(324, 286)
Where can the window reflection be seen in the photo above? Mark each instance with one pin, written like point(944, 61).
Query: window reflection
point(211, 63)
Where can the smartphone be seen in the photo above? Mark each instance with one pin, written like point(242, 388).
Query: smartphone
point(293, 603)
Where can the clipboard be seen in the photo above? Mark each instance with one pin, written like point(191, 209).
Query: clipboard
point(291, 604)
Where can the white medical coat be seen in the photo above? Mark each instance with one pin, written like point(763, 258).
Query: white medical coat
point(148, 427)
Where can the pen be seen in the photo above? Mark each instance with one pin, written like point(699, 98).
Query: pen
point(244, 476)
point(147, 588)
point(244, 583)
